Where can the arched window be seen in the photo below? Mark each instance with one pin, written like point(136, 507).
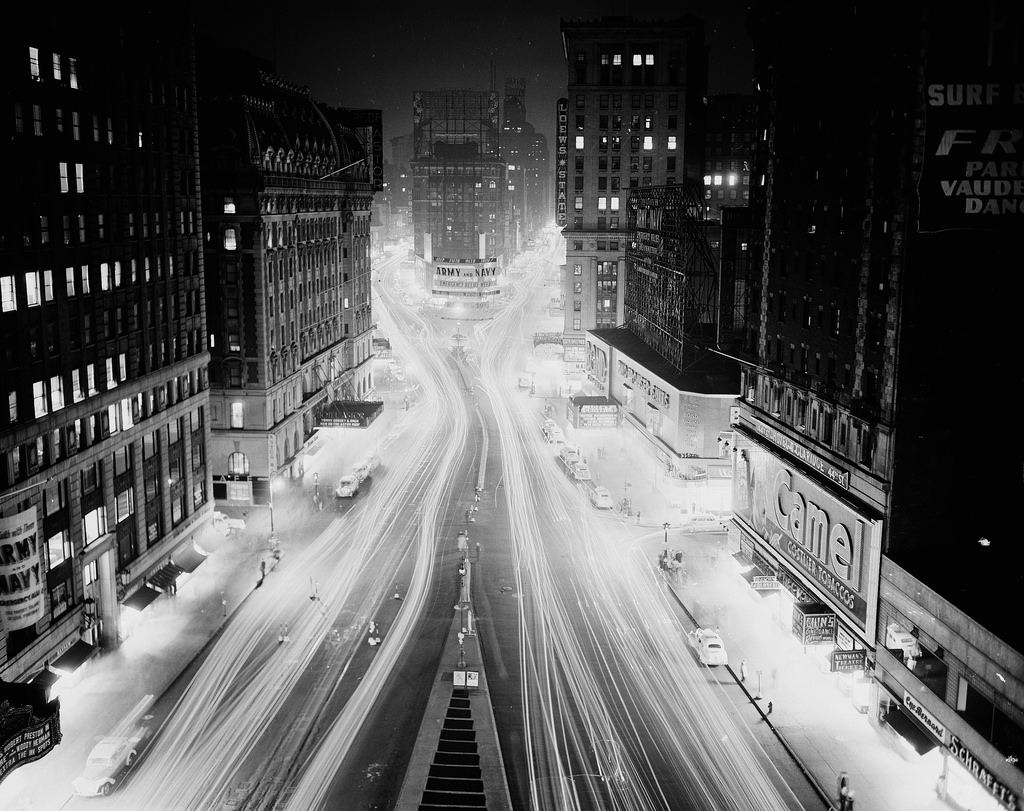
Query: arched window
point(238, 464)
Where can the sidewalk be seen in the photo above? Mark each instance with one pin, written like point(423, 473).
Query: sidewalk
point(812, 718)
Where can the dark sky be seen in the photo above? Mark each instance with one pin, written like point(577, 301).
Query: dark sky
point(378, 55)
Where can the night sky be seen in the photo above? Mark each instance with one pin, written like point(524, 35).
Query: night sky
point(379, 55)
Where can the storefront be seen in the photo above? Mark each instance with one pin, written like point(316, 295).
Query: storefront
point(134, 609)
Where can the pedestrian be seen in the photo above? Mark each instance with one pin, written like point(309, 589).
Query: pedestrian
point(770, 708)
point(743, 670)
point(638, 516)
point(843, 785)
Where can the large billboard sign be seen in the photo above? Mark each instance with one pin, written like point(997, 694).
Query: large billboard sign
point(561, 161)
point(834, 546)
point(21, 571)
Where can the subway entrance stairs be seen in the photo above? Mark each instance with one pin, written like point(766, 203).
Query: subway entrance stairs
point(454, 779)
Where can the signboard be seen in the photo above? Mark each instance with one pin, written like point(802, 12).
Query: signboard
point(765, 583)
point(1000, 791)
point(30, 742)
point(641, 383)
point(848, 661)
point(561, 161)
point(795, 449)
point(814, 628)
point(472, 678)
point(459, 678)
point(834, 546)
point(21, 574)
point(915, 708)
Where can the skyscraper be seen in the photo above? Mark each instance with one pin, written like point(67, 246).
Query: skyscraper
point(872, 477)
point(634, 113)
point(103, 441)
point(525, 152)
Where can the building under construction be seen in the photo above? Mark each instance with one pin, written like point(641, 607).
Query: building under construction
point(459, 212)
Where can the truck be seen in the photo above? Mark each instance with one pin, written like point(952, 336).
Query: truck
point(114, 755)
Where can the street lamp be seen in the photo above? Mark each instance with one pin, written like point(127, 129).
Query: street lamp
point(665, 526)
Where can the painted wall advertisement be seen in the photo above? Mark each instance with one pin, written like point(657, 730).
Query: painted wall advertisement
point(832, 545)
point(21, 581)
point(597, 365)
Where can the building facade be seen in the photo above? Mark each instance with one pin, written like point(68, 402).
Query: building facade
point(728, 151)
point(103, 441)
point(288, 257)
point(460, 213)
point(886, 220)
point(633, 119)
point(525, 152)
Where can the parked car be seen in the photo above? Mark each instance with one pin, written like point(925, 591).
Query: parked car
point(569, 453)
point(581, 472)
point(556, 436)
point(348, 486)
point(703, 522)
point(601, 498)
point(708, 646)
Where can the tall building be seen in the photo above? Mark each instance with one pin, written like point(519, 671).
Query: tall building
point(525, 151)
point(103, 442)
point(289, 187)
point(634, 113)
point(458, 206)
point(872, 475)
point(728, 151)
point(398, 178)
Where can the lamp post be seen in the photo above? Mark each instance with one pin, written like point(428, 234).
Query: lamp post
point(665, 526)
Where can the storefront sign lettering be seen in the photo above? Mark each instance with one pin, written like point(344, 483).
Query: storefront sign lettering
point(983, 775)
point(927, 720)
point(848, 661)
point(561, 161)
point(798, 451)
point(656, 395)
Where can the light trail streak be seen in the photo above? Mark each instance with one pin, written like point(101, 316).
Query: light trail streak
point(615, 707)
point(219, 722)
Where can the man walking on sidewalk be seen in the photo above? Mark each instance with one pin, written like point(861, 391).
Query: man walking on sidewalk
point(743, 670)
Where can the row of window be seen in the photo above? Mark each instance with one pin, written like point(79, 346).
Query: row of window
point(615, 122)
point(636, 142)
point(76, 228)
point(59, 67)
point(647, 100)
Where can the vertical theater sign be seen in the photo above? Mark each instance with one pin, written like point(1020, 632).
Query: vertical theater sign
point(561, 161)
point(828, 543)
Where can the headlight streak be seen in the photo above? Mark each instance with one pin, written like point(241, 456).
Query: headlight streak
point(613, 687)
point(221, 717)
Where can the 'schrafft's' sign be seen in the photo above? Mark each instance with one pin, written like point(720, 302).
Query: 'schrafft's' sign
point(561, 160)
point(21, 581)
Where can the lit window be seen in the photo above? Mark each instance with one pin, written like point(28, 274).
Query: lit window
point(76, 386)
point(56, 393)
point(104, 276)
point(638, 59)
point(229, 205)
point(578, 203)
point(94, 524)
point(732, 180)
point(617, 59)
point(579, 142)
point(648, 142)
point(230, 241)
point(64, 187)
point(79, 178)
point(671, 142)
point(718, 180)
point(237, 418)
point(33, 63)
point(10, 303)
point(648, 59)
point(56, 67)
point(85, 278)
point(602, 203)
point(32, 288)
point(39, 400)
point(73, 73)
point(615, 204)
point(48, 285)
point(12, 406)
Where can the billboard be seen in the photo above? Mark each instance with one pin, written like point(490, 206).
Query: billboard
point(561, 160)
point(821, 536)
point(21, 580)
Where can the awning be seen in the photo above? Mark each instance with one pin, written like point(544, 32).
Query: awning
point(141, 598)
point(189, 558)
point(164, 578)
point(73, 658)
point(910, 731)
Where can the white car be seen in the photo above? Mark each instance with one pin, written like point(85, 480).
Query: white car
point(581, 472)
point(601, 498)
point(703, 522)
point(569, 453)
point(709, 647)
point(365, 468)
point(109, 759)
point(348, 486)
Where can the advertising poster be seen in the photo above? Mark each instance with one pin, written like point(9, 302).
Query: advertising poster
point(21, 571)
point(816, 533)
